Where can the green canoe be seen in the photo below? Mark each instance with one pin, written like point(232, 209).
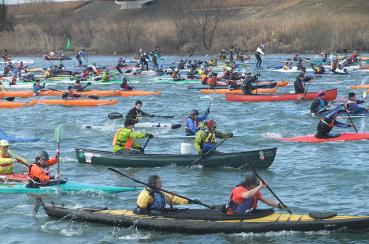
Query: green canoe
point(262, 158)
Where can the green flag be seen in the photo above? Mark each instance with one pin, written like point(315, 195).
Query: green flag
point(69, 44)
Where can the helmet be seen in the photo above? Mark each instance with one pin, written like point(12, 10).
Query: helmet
point(211, 124)
point(43, 155)
point(194, 112)
point(70, 87)
point(4, 143)
point(351, 94)
point(301, 74)
point(129, 122)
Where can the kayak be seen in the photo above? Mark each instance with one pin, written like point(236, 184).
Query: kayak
point(237, 91)
point(291, 70)
point(262, 158)
point(341, 137)
point(360, 86)
point(16, 104)
point(157, 125)
point(14, 139)
point(101, 93)
point(78, 102)
point(171, 81)
point(207, 221)
point(57, 57)
point(330, 96)
point(16, 183)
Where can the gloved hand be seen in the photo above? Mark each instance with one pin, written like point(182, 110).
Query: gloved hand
point(140, 149)
point(149, 135)
point(230, 135)
point(194, 201)
point(208, 111)
point(280, 206)
point(57, 151)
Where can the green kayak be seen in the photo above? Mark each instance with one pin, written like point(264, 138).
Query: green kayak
point(261, 158)
point(171, 81)
point(19, 187)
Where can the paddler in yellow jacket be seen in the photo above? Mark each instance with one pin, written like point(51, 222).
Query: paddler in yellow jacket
point(152, 200)
point(205, 137)
point(8, 158)
point(124, 138)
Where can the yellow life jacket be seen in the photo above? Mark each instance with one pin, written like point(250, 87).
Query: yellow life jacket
point(210, 137)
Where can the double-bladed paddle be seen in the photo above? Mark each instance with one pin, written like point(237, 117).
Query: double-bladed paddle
point(127, 71)
point(94, 97)
point(162, 190)
point(116, 115)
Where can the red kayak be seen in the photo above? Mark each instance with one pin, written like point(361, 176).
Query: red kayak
point(13, 177)
point(342, 137)
point(330, 95)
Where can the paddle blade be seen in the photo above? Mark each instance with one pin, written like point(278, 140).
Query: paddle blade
point(115, 116)
point(58, 134)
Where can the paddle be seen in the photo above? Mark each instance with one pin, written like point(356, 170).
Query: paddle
point(267, 186)
point(116, 115)
point(210, 102)
point(348, 114)
point(57, 135)
point(120, 72)
point(307, 87)
point(205, 154)
point(19, 159)
point(148, 139)
point(162, 190)
point(89, 96)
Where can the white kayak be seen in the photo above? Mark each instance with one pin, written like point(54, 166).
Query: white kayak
point(137, 125)
point(291, 70)
point(18, 61)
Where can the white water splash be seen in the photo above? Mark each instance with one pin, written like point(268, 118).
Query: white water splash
point(271, 135)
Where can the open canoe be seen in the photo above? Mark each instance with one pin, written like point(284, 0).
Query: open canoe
point(17, 184)
point(206, 221)
point(78, 102)
point(341, 137)
point(101, 93)
point(262, 158)
point(238, 91)
point(330, 96)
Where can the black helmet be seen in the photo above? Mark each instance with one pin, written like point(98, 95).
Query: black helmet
point(129, 122)
point(70, 87)
point(351, 94)
point(43, 155)
point(194, 112)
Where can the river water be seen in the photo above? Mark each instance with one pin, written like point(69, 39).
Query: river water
point(330, 176)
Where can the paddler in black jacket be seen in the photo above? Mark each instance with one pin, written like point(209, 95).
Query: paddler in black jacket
point(136, 113)
point(300, 83)
point(319, 105)
point(246, 86)
point(327, 123)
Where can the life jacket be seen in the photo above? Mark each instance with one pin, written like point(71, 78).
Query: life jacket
point(210, 137)
point(158, 201)
point(347, 103)
point(38, 175)
point(242, 207)
point(212, 81)
point(330, 125)
point(127, 144)
point(6, 165)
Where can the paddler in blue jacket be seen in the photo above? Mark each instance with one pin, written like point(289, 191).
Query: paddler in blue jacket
point(319, 105)
point(327, 123)
point(193, 122)
point(37, 87)
point(352, 104)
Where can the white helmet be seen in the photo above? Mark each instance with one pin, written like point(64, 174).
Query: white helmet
point(4, 143)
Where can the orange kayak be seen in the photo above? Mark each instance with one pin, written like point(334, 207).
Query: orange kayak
point(223, 91)
point(78, 102)
point(102, 93)
point(360, 87)
point(16, 104)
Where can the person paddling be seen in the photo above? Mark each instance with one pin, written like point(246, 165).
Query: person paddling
point(8, 158)
point(192, 124)
point(318, 69)
point(245, 196)
point(70, 94)
point(153, 201)
point(352, 105)
point(124, 85)
point(258, 53)
point(79, 87)
point(300, 81)
point(123, 141)
point(327, 123)
point(319, 105)
point(39, 173)
point(205, 137)
point(37, 87)
point(136, 113)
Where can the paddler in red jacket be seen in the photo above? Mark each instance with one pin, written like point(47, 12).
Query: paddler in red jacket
point(39, 171)
point(245, 196)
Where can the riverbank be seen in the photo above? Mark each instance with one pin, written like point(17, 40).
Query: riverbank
point(206, 26)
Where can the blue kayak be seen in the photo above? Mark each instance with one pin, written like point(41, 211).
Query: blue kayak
point(14, 139)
